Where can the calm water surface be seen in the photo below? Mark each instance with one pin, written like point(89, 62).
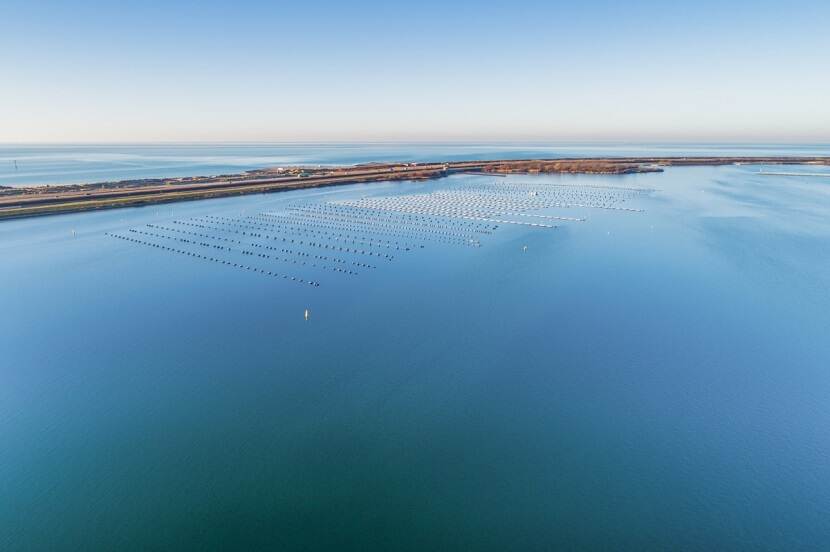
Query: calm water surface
point(27, 165)
point(641, 380)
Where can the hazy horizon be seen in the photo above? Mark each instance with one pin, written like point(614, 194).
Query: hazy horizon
point(368, 72)
point(552, 142)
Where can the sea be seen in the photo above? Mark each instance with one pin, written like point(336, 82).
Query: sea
point(50, 164)
point(559, 362)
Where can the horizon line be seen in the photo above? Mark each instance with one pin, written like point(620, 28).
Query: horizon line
point(448, 141)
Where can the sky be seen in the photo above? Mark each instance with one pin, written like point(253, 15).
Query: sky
point(250, 70)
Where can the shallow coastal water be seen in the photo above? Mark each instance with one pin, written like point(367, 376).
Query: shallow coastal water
point(636, 380)
point(28, 165)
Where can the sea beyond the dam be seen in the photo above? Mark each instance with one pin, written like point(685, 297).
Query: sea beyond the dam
point(516, 362)
point(61, 164)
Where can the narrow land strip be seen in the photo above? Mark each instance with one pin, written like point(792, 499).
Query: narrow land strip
point(42, 200)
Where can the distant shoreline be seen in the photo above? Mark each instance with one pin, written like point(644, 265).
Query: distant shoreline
point(45, 200)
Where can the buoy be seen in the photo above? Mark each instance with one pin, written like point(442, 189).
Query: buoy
point(524, 248)
point(307, 314)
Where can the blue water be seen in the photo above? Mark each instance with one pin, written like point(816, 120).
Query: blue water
point(652, 379)
point(26, 165)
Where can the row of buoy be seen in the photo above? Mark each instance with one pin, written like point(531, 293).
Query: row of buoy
point(426, 226)
point(348, 212)
point(378, 225)
point(343, 206)
point(486, 211)
point(386, 229)
point(322, 235)
point(557, 197)
point(296, 262)
point(312, 255)
point(338, 226)
point(497, 203)
point(295, 230)
point(500, 203)
point(464, 214)
point(215, 260)
point(182, 240)
point(544, 203)
point(374, 227)
point(324, 257)
point(190, 233)
point(414, 222)
point(222, 247)
point(453, 207)
point(299, 241)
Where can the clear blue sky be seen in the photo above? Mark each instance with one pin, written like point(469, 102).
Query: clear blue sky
point(375, 70)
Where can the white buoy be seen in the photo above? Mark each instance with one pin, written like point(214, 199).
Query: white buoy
point(307, 314)
point(524, 248)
